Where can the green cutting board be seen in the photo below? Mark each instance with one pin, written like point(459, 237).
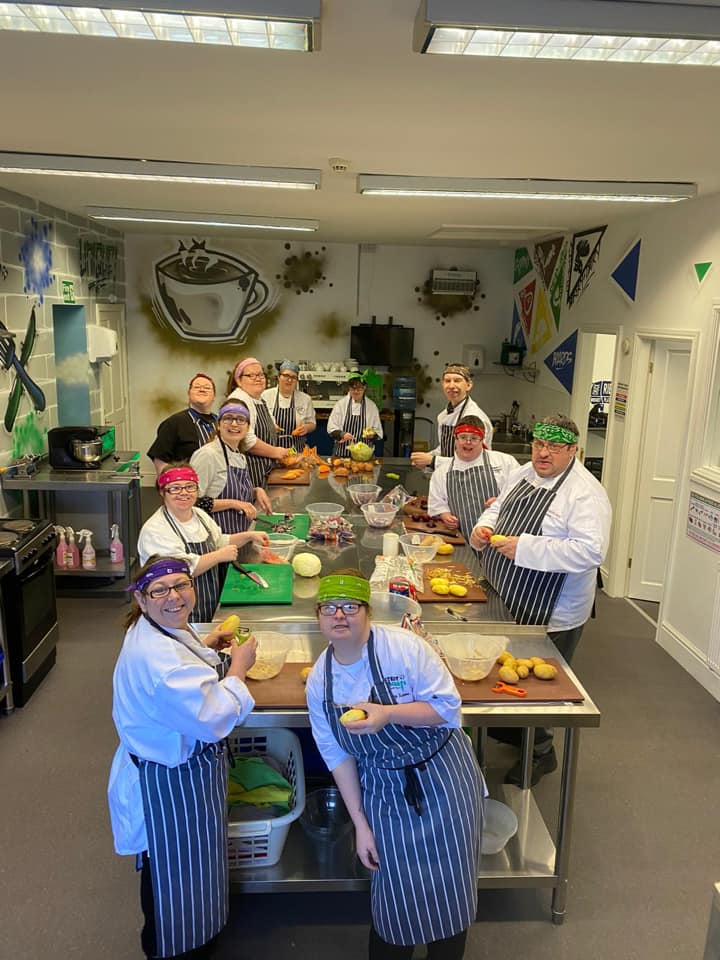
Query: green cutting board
point(300, 523)
point(242, 590)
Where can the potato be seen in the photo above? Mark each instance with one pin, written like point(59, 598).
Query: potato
point(522, 671)
point(498, 538)
point(545, 671)
point(351, 716)
point(536, 660)
point(305, 673)
point(443, 589)
point(508, 675)
point(525, 662)
point(504, 656)
point(445, 549)
point(457, 590)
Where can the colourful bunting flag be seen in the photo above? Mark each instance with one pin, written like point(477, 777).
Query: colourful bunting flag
point(517, 338)
point(546, 256)
point(561, 361)
point(584, 253)
point(625, 273)
point(523, 264)
point(542, 326)
point(556, 288)
point(701, 270)
point(527, 301)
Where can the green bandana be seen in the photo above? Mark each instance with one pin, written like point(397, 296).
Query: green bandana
point(339, 586)
point(548, 431)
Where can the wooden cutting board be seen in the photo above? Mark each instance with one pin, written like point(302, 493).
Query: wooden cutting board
point(544, 691)
point(239, 589)
point(475, 594)
point(276, 474)
point(284, 690)
point(439, 529)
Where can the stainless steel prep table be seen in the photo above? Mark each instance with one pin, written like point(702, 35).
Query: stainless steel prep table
point(535, 857)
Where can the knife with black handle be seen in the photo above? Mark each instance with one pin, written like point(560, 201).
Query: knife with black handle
point(255, 577)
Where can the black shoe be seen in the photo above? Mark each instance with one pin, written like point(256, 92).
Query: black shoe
point(541, 765)
point(509, 735)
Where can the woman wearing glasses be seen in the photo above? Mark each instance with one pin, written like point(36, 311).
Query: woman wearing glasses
point(463, 485)
point(174, 702)
point(224, 485)
point(407, 773)
point(246, 384)
point(178, 527)
point(292, 410)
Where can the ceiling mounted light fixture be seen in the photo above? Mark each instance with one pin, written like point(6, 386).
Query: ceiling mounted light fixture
point(172, 217)
point(265, 24)
point(469, 189)
point(160, 171)
point(634, 31)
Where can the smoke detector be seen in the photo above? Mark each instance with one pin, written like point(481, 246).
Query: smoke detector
point(338, 165)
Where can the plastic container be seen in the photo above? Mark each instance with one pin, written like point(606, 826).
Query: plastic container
point(272, 651)
point(420, 547)
point(88, 559)
point(323, 511)
point(117, 551)
point(327, 823)
point(379, 514)
point(361, 493)
point(499, 825)
point(283, 544)
point(362, 455)
point(259, 843)
point(471, 656)
point(390, 607)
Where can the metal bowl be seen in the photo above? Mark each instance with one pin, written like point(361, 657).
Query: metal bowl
point(87, 451)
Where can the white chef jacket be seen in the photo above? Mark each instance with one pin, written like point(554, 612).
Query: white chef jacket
point(336, 420)
point(166, 697)
point(574, 540)
point(239, 394)
point(304, 410)
point(157, 536)
point(417, 674)
point(470, 409)
point(502, 465)
point(209, 464)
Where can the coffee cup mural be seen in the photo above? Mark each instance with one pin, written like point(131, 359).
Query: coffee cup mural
point(208, 295)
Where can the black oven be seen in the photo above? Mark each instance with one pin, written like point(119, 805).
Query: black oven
point(28, 595)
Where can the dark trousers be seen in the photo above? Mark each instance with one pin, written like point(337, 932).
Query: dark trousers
point(148, 936)
point(566, 642)
point(452, 948)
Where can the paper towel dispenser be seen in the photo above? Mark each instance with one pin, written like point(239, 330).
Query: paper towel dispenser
point(102, 343)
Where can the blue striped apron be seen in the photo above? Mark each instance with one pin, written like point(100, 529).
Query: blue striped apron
point(353, 425)
point(264, 429)
point(447, 439)
point(185, 810)
point(467, 491)
point(205, 425)
point(237, 487)
point(422, 795)
point(285, 418)
point(530, 595)
point(207, 585)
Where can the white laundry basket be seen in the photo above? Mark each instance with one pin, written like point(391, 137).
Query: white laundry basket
point(259, 843)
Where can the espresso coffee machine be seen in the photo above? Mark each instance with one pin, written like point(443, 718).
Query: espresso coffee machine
point(80, 448)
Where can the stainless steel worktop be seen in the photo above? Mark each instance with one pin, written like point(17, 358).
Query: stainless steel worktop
point(118, 470)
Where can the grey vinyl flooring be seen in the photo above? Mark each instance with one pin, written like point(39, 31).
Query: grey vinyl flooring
point(645, 850)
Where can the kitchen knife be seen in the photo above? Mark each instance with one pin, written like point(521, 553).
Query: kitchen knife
point(255, 577)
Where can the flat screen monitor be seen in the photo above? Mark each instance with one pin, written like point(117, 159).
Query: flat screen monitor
point(382, 345)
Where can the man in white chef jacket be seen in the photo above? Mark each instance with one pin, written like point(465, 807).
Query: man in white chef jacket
point(555, 518)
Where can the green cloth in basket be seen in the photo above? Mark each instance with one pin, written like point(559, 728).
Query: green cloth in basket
point(255, 782)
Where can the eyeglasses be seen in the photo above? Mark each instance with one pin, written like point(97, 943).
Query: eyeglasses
point(178, 488)
point(472, 438)
point(159, 593)
point(550, 447)
point(253, 376)
point(236, 420)
point(350, 609)
point(288, 376)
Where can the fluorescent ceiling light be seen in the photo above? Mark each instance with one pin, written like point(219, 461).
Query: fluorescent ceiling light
point(609, 191)
point(237, 221)
point(266, 24)
point(632, 31)
point(160, 171)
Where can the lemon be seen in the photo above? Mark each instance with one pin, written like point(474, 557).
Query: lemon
point(498, 538)
point(351, 716)
point(457, 590)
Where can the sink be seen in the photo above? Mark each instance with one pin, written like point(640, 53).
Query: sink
point(512, 446)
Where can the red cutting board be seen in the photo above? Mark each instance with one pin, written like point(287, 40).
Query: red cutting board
point(475, 594)
point(439, 529)
point(276, 474)
point(545, 691)
point(285, 690)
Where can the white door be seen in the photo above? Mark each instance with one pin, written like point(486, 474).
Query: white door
point(664, 439)
point(113, 375)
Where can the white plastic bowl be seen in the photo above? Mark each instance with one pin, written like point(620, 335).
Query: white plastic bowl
point(389, 607)
point(471, 656)
point(272, 651)
point(323, 511)
point(283, 544)
point(499, 825)
point(416, 549)
point(379, 514)
point(361, 493)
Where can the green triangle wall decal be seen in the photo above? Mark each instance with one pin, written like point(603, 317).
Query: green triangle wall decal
point(701, 269)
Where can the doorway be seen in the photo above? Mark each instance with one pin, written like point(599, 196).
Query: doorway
point(112, 375)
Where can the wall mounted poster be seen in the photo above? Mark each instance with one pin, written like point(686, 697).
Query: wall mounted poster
point(561, 361)
point(584, 253)
point(621, 399)
point(703, 523)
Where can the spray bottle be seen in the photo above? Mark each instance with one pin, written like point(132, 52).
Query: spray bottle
point(61, 547)
point(117, 551)
point(72, 554)
point(88, 552)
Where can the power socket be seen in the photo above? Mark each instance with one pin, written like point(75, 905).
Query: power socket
point(473, 355)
